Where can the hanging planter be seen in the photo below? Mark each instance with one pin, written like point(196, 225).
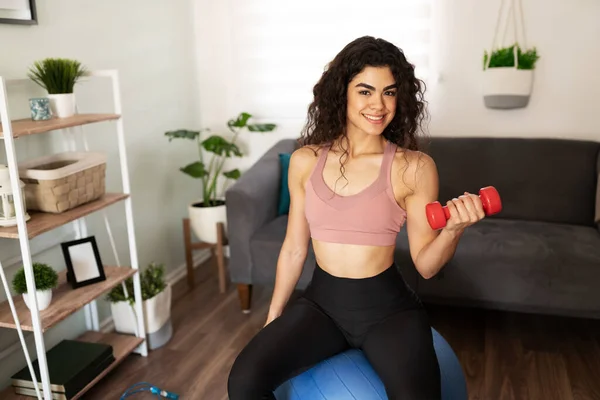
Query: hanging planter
point(508, 70)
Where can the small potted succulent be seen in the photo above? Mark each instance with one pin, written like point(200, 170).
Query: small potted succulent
point(156, 303)
point(45, 278)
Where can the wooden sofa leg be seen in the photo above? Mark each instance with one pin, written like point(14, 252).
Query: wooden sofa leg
point(245, 294)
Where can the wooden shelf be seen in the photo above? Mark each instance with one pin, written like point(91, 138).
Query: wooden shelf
point(43, 222)
point(24, 127)
point(123, 345)
point(65, 299)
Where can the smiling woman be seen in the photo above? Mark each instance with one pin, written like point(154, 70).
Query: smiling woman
point(372, 76)
point(378, 106)
point(362, 126)
point(374, 79)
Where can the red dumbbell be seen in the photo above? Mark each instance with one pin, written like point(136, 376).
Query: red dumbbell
point(438, 215)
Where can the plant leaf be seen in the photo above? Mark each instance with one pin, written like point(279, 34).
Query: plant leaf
point(261, 127)
point(505, 57)
point(218, 145)
point(182, 134)
point(56, 75)
point(241, 120)
point(45, 277)
point(152, 283)
point(195, 170)
point(233, 174)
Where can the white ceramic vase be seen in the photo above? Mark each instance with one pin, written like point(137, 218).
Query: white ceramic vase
point(203, 221)
point(157, 317)
point(44, 297)
point(62, 105)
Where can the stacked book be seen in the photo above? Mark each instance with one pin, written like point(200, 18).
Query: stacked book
point(72, 365)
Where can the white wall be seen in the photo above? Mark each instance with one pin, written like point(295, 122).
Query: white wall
point(566, 88)
point(150, 43)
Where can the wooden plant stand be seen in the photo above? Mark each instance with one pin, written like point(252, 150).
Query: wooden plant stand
point(215, 248)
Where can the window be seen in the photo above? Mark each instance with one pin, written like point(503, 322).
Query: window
point(280, 48)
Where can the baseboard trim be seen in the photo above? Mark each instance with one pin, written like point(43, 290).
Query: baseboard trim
point(180, 272)
point(174, 276)
point(107, 325)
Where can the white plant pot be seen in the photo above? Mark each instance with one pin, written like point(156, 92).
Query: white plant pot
point(62, 105)
point(507, 87)
point(203, 221)
point(157, 317)
point(44, 297)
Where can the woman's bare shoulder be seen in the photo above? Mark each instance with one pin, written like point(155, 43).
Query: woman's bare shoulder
point(305, 156)
point(411, 166)
point(304, 159)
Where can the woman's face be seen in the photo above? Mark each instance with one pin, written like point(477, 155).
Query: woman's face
point(371, 100)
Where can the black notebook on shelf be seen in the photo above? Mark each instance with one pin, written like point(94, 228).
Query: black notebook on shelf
point(73, 389)
point(72, 365)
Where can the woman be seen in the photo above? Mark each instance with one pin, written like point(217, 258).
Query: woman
point(362, 130)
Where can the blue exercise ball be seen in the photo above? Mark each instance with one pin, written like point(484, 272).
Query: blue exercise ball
point(349, 376)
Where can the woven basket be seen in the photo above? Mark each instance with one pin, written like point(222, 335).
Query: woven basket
point(63, 181)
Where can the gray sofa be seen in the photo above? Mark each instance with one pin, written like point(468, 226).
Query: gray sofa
point(541, 254)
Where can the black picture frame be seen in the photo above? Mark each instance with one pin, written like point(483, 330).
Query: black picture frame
point(84, 265)
point(17, 21)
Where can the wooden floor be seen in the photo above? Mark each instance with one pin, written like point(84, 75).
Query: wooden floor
point(504, 355)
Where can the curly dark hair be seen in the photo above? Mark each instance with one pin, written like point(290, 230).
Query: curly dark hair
point(327, 113)
point(326, 120)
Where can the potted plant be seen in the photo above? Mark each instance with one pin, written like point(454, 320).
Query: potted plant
point(508, 77)
point(206, 212)
point(58, 76)
point(156, 303)
point(45, 279)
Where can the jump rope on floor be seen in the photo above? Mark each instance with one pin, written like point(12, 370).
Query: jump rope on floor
point(141, 387)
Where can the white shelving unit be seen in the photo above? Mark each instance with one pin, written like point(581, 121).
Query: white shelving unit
point(66, 301)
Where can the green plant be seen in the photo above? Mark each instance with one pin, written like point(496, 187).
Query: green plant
point(44, 276)
point(152, 282)
point(56, 75)
point(505, 57)
point(222, 149)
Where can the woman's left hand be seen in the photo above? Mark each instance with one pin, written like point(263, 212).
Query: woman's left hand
point(464, 212)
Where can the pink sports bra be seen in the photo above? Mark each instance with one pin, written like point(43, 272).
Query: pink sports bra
point(370, 217)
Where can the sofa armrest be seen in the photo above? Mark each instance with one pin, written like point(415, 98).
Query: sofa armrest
point(252, 202)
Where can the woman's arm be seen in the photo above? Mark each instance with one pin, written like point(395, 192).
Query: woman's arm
point(295, 245)
point(431, 250)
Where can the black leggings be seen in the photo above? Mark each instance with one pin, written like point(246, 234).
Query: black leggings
point(380, 315)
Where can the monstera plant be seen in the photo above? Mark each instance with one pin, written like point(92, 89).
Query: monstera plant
point(213, 151)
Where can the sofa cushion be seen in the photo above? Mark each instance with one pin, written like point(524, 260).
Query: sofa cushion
point(283, 206)
point(265, 246)
point(551, 180)
point(535, 264)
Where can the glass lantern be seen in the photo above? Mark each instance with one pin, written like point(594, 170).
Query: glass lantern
point(8, 211)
